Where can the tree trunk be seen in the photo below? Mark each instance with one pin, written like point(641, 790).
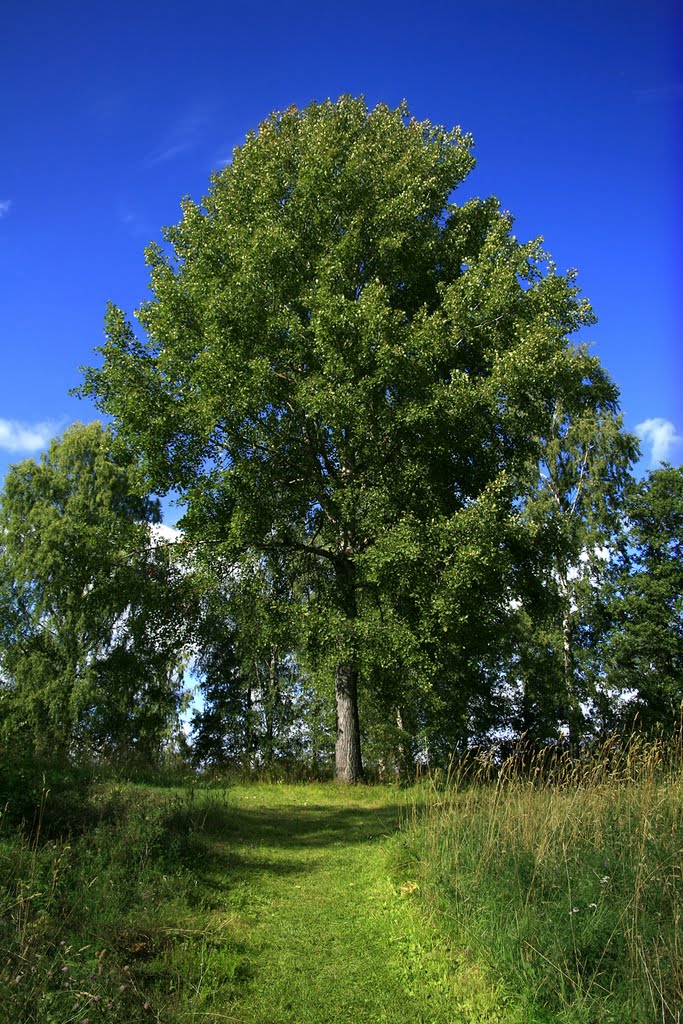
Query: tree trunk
point(270, 703)
point(574, 717)
point(348, 763)
point(402, 759)
point(347, 756)
point(247, 762)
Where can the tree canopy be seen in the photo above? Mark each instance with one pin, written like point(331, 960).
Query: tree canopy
point(342, 366)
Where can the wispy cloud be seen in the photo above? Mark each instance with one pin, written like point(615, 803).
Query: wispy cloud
point(164, 154)
point(182, 136)
point(223, 157)
point(133, 223)
point(5, 207)
point(18, 437)
point(662, 437)
point(221, 161)
point(656, 93)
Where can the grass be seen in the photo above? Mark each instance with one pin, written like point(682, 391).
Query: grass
point(565, 877)
point(528, 894)
point(261, 903)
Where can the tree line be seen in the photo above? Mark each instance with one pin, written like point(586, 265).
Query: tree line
point(410, 521)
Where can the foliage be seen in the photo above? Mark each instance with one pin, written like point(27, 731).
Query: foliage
point(344, 366)
point(644, 650)
point(405, 485)
point(260, 710)
point(573, 517)
point(89, 604)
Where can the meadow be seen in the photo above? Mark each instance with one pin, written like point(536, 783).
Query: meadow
point(541, 889)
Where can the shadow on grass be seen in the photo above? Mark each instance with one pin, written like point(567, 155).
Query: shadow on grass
point(117, 885)
point(238, 846)
point(316, 826)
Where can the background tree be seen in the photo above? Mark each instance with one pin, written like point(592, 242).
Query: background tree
point(90, 604)
point(573, 517)
point(643, 655)
point(256, 704)
point(343, 365)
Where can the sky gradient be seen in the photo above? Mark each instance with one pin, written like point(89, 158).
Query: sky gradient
point(112, 113)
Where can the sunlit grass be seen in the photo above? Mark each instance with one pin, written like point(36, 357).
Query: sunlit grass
point(564, 876)
point(542, 891)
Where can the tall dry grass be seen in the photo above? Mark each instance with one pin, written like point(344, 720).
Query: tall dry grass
point(564, 875)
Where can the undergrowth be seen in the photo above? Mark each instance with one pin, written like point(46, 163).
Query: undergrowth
point(564, 876)
point(96, 883)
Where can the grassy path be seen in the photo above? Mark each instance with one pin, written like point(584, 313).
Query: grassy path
point(277, 904)
point(319, 930)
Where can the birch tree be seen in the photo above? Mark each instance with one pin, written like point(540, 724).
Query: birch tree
point(91, 610)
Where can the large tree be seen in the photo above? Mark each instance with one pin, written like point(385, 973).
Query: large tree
point(342, 364)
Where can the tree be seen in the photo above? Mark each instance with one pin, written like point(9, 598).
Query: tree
point(90, 605)
point(343, 365)
point(573, 515)
point(253, 697)
point(644, 649)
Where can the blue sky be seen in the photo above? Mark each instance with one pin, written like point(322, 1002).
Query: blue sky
point(111, 113)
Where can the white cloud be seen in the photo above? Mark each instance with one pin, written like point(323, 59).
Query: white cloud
point(661, 435)
point(25, 437)
point(5, 207)
point(599, 551)
point(163, 534)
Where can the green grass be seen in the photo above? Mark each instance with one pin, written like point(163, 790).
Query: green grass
point(549, 895)
point(263, 903)
point(565, 878)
